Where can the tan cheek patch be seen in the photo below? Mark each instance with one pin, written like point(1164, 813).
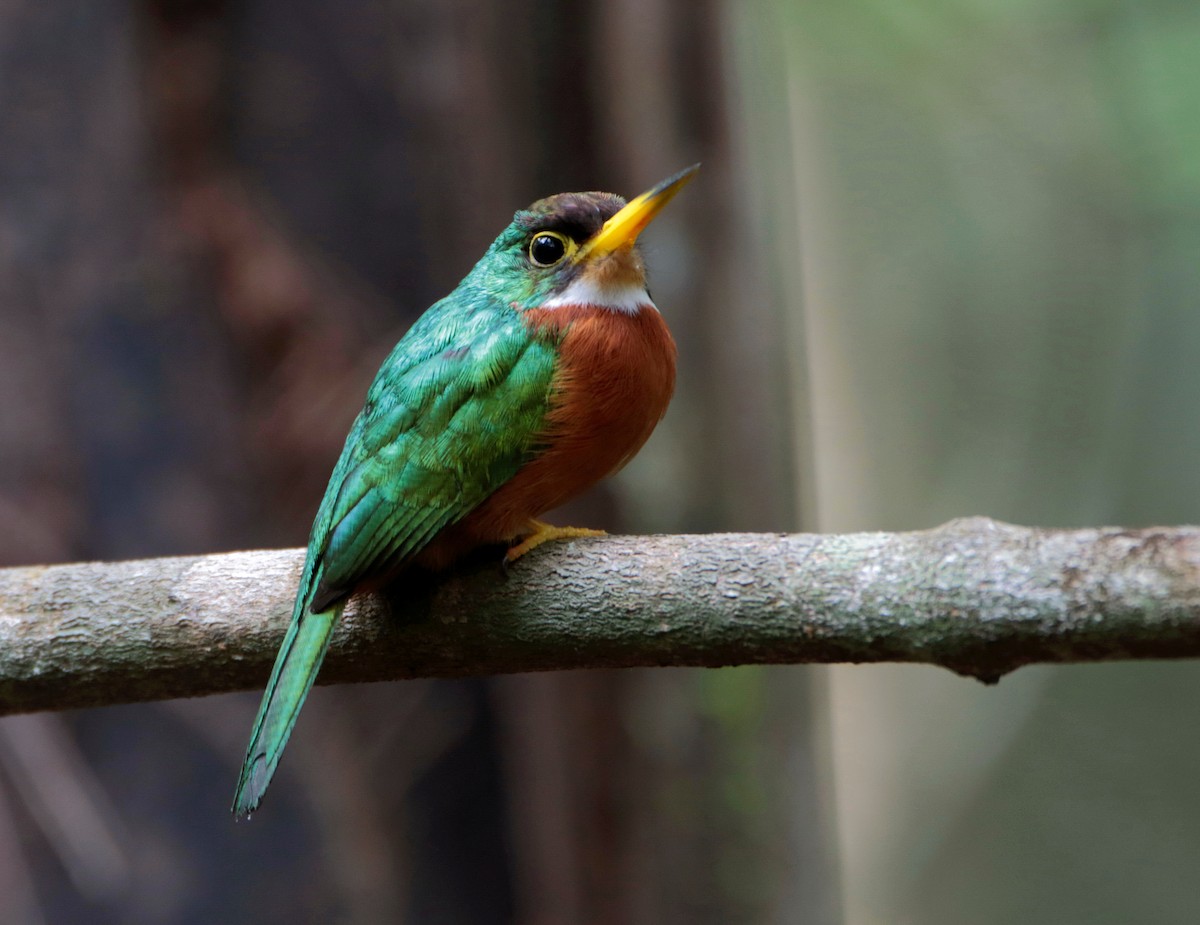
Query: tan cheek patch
point(621, 269)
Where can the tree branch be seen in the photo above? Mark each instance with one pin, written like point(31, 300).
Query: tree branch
point(975, 596)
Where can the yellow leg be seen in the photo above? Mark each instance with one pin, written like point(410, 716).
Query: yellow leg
point(543, 532)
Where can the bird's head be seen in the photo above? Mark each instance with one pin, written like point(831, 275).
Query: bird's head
point(577, 249)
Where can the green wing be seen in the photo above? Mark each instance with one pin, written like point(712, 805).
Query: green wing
point(451, 416)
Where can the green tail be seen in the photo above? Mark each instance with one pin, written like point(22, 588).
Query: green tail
point(295, 670)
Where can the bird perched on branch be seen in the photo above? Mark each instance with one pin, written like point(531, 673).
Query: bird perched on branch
point(544, 371)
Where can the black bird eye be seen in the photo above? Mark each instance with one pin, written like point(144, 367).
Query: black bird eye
point(547, 248)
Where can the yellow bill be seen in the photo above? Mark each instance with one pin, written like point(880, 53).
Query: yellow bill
point(623, 228)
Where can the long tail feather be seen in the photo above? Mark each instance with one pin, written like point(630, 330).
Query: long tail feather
point(295, 669)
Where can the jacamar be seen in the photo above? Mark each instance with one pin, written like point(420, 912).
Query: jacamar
point(545, 370)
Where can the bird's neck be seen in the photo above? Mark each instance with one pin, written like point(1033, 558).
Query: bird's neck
point(624, 297)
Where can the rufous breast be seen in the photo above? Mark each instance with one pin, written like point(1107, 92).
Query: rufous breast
point(614, 379)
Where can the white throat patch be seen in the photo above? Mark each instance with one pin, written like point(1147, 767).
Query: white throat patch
point(626, 298)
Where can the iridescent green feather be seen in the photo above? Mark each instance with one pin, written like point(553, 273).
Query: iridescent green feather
point(451, 416)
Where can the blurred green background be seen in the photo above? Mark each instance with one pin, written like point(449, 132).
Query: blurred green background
point(943, 259)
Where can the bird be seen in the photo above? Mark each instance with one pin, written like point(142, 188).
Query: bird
point(544, 371)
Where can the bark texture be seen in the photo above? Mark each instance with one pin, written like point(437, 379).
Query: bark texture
point(975, 596)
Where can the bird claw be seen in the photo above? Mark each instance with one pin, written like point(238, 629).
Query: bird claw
point(544, 533)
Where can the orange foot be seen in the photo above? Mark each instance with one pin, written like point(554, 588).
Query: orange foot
point(543, 532)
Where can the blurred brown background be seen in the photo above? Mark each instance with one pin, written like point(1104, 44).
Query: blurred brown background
point(943, 259)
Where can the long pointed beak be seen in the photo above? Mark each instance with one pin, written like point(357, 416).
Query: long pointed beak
point(623, 228)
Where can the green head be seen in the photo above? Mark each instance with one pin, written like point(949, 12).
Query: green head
point(576, 249)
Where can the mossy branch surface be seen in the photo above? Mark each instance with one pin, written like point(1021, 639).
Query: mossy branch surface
point(975, 596)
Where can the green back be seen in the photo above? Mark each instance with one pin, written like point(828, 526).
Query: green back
point(453, 413)
point(451, 416)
